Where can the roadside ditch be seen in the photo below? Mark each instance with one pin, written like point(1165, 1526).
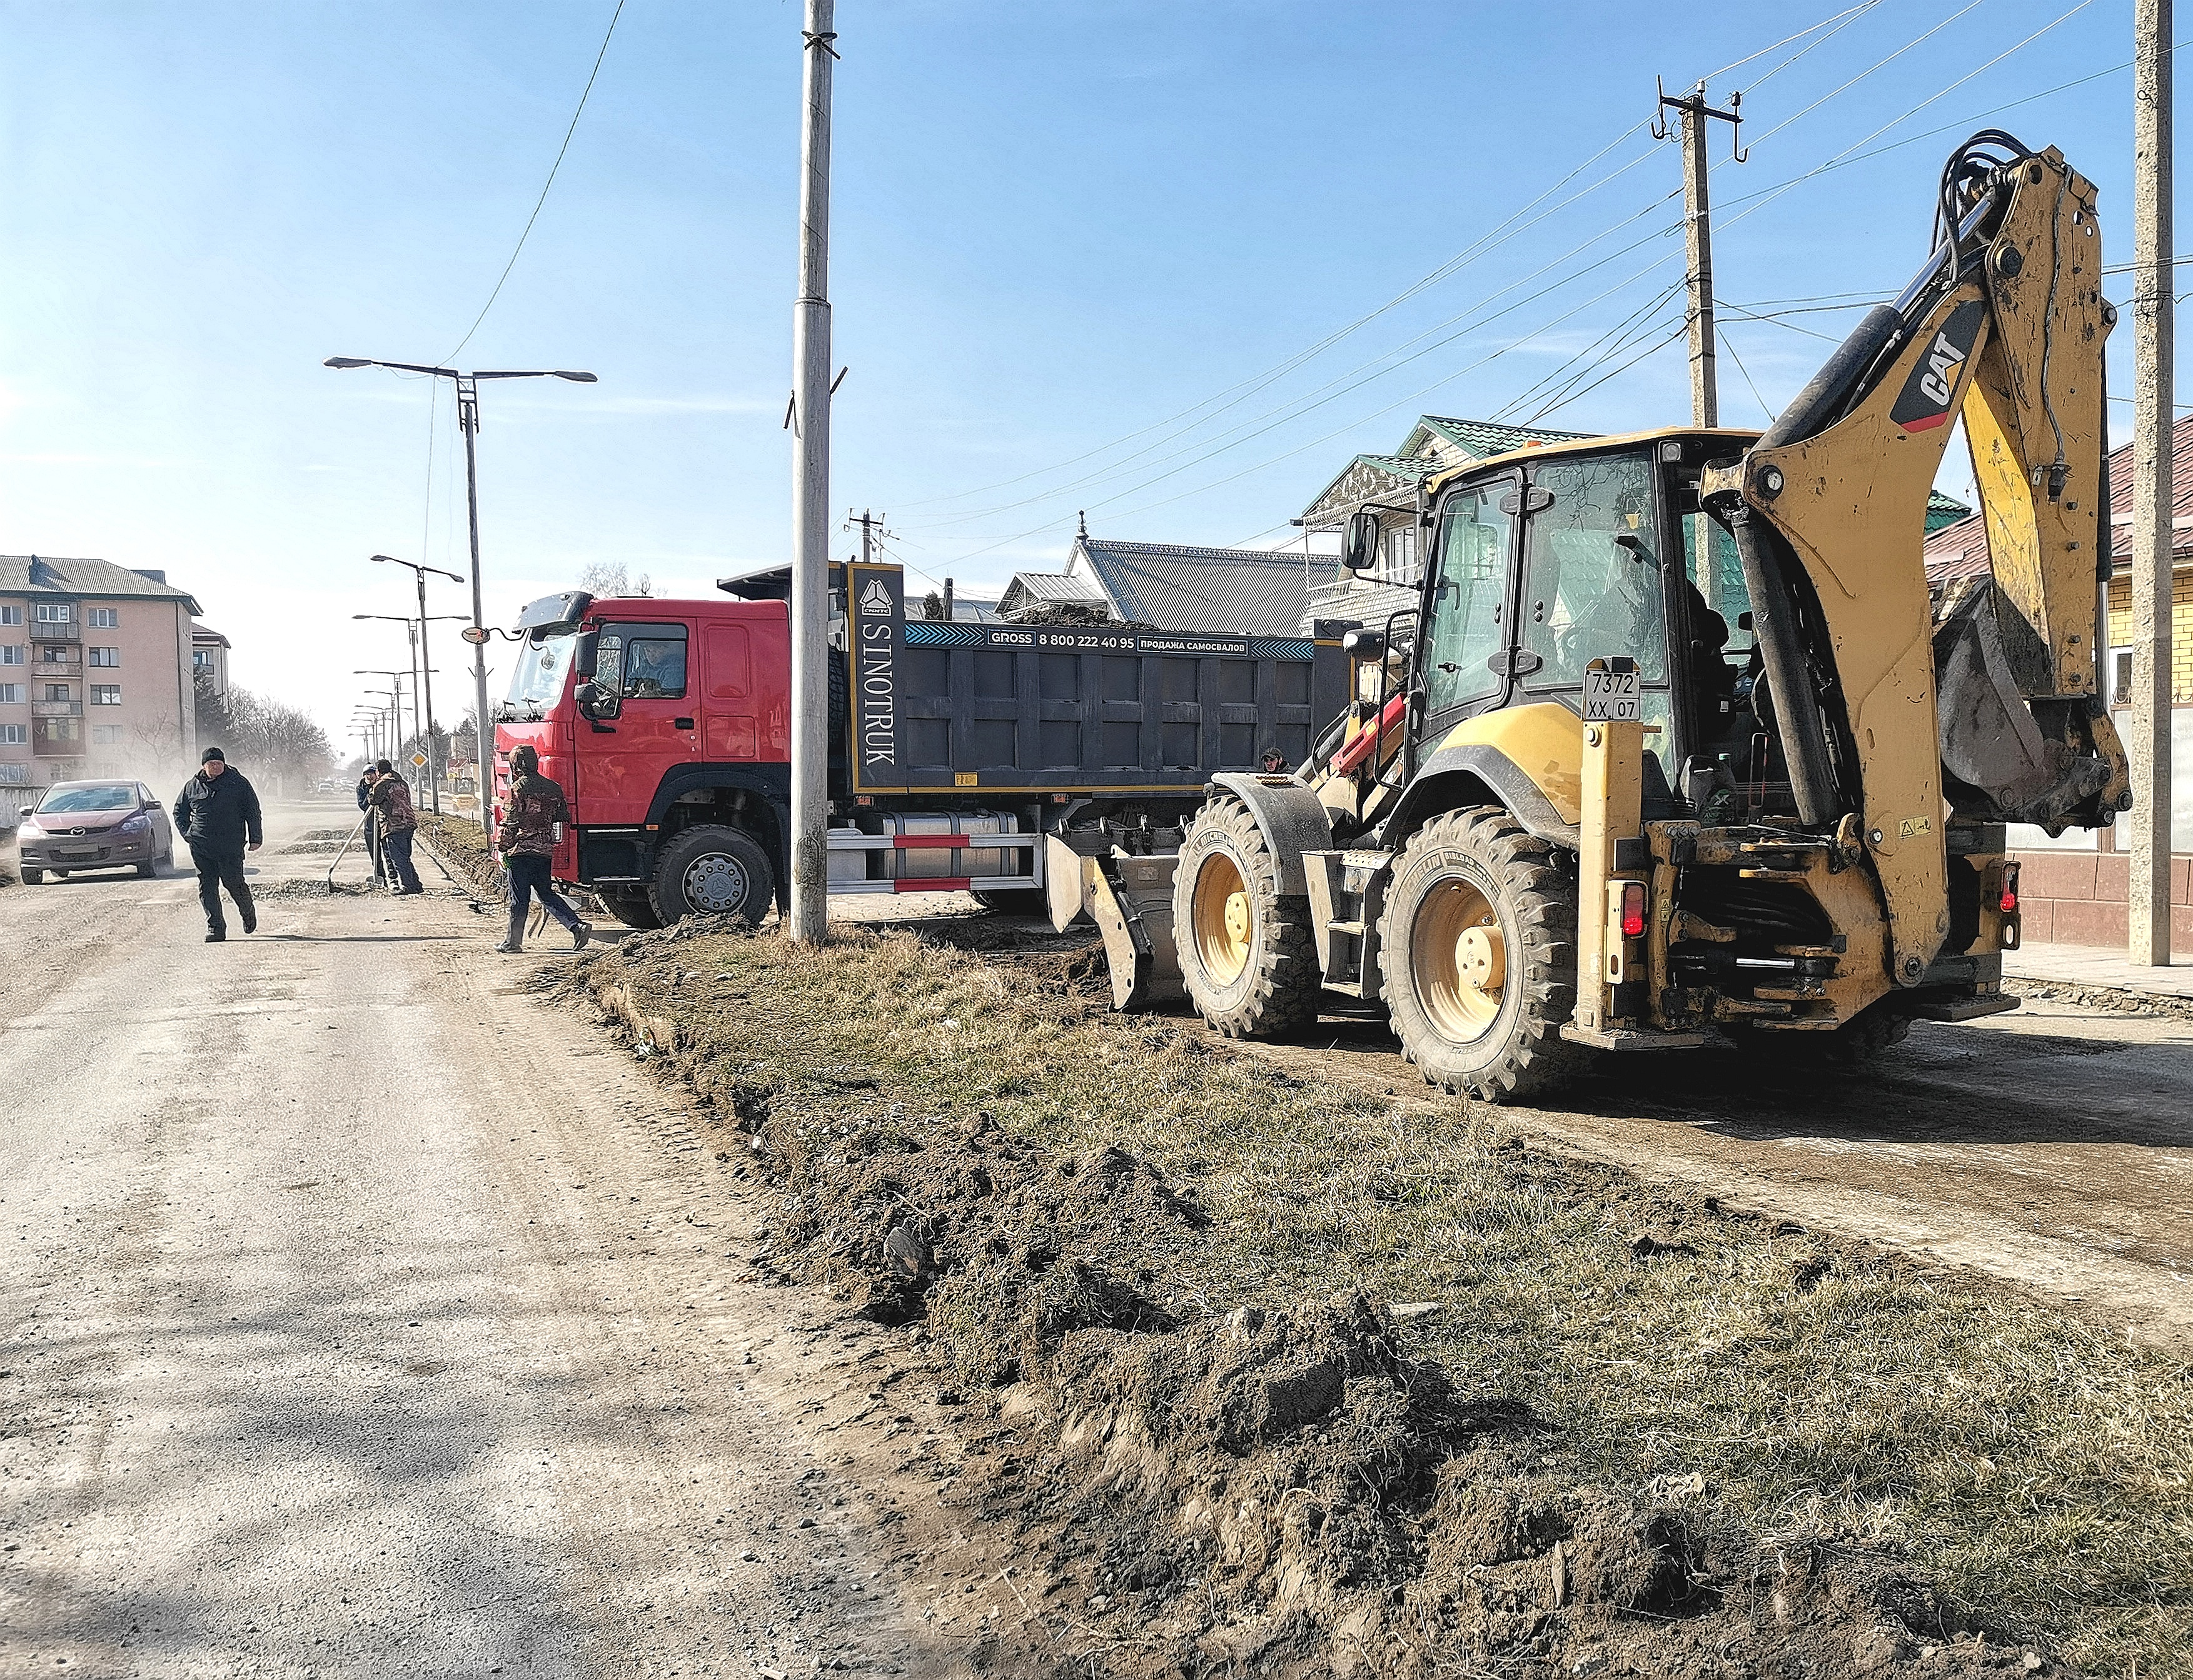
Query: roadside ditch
point(1272, 1378)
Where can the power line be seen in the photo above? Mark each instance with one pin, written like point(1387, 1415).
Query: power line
point(1729, 345)
point(451, 359)
point(1513, 226)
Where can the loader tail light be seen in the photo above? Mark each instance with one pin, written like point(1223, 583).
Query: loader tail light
point(1633, 911)
point(2008, 903)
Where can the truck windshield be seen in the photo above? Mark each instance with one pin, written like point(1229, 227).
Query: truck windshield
point(542, 664)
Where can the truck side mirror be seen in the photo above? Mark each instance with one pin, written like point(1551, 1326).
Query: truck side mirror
point(1359, 549)
point(586, 655)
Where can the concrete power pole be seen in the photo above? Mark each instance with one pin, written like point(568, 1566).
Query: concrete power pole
point(2154, 387)
point(1698, 239)
point(810, 499)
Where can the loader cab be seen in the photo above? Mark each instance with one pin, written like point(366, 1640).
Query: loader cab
point(1542, 561)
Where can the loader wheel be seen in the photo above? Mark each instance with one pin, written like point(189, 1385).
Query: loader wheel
point(1247, 954)
point(1479, 956)
point(713, 870)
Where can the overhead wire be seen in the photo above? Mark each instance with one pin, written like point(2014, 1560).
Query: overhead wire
point(527, 233)
point(1514, 225)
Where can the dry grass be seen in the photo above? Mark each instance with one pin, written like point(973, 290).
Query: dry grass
point(1777, 1384)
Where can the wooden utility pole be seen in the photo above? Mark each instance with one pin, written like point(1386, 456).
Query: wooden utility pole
point(810, 498)
point(2153, 386)
point(1698, 238)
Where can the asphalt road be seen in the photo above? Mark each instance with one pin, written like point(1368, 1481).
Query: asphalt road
point(358, 1317)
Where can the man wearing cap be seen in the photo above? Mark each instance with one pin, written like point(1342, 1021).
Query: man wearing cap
point(217, 814)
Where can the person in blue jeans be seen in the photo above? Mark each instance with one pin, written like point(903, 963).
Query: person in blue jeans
point(530, 829)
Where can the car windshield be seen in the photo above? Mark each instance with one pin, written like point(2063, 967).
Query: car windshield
point(107, 798)
point(539, 678)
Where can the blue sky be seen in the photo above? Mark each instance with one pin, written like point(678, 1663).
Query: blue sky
point(1057, 226)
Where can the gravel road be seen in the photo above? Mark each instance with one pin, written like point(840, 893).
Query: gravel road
point(359, 1317)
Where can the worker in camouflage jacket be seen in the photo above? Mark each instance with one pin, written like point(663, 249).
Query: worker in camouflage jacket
point(397, 819)
point(530, 829)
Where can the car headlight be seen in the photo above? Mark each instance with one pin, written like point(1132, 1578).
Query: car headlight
point(136, 825)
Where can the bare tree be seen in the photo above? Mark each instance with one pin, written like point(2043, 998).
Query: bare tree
point(609, 577)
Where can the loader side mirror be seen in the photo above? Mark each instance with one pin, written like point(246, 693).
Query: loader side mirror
point(1362, 646)
point(1359, 548)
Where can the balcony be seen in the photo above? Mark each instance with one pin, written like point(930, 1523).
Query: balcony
point(43, 632)
point(44, 666)
point(56, 708)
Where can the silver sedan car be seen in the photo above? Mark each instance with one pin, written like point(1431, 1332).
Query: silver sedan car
point(93, 825)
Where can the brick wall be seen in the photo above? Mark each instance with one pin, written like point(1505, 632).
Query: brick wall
point(2078, 898)
point(2181, 628)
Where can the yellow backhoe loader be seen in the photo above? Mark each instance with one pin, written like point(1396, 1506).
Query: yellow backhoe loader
point(1672, 750)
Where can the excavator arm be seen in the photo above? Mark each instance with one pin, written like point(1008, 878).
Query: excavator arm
point(1890, 724)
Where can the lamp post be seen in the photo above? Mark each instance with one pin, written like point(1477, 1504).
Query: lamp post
point(419, 648)
point(396, 703)
point(468, 421)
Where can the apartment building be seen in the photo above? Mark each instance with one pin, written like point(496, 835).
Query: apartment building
point(95, 664)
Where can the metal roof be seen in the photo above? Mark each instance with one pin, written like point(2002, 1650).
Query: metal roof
point(1482, 438)
point(1050, 586)
point(1252, 591)
point(37, 575)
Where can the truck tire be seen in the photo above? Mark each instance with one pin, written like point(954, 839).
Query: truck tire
point(713, 870)
point(1478, 957)
point(1247, 954)
point(634, 910)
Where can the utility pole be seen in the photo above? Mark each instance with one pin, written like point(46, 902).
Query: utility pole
point(2154, 387)
point(871, 527)
point(810, 497)
point(1697, 238)
point(483, 726)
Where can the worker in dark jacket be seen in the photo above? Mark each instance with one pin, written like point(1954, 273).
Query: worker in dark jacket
point(217, 814)
point(528, 837)
point(399, 820)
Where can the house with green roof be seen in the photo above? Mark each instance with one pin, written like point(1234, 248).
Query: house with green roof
point(1387, 484)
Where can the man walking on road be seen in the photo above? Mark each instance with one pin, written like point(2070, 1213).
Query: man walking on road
point(528, 838)
point(217, 814)
point(397, 820)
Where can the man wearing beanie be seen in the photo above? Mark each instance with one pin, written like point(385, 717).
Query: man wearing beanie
point(217, 814)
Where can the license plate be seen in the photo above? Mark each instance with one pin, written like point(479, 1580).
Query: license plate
point(1610, 697)
point(76, 857)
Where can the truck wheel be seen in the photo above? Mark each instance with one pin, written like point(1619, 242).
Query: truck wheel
point(1478, 957)
point(713, 870)
point(1247, 954)
point(634, 910)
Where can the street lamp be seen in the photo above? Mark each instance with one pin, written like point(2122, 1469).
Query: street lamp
point(468, 419)
point(396, 702)
point(422, 656)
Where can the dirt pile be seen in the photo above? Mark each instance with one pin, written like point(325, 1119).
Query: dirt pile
point(1286, 1493)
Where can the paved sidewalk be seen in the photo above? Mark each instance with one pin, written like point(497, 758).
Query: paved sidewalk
point(2098, 965)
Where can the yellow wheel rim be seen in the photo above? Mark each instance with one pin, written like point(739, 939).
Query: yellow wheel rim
point(1459, 959)
point(1225, 920)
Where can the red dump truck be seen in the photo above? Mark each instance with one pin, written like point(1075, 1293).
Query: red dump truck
point(960, 751)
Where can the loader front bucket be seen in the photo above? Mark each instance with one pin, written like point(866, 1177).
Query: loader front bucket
point(1129, 899)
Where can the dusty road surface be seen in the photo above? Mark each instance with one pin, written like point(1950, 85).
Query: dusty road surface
point(358, 1318)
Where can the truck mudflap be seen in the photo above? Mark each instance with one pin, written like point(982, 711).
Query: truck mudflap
point(1129, 899)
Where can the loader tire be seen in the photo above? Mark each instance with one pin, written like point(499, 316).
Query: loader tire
point(1478, 957)
point(713, 870)
point(1247, 955)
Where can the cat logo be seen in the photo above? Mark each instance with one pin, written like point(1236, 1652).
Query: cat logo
point(1931, 385)
point(1941, 376)
point(875, 600)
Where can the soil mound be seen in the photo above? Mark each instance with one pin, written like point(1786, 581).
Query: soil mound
point(1288, 1492)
